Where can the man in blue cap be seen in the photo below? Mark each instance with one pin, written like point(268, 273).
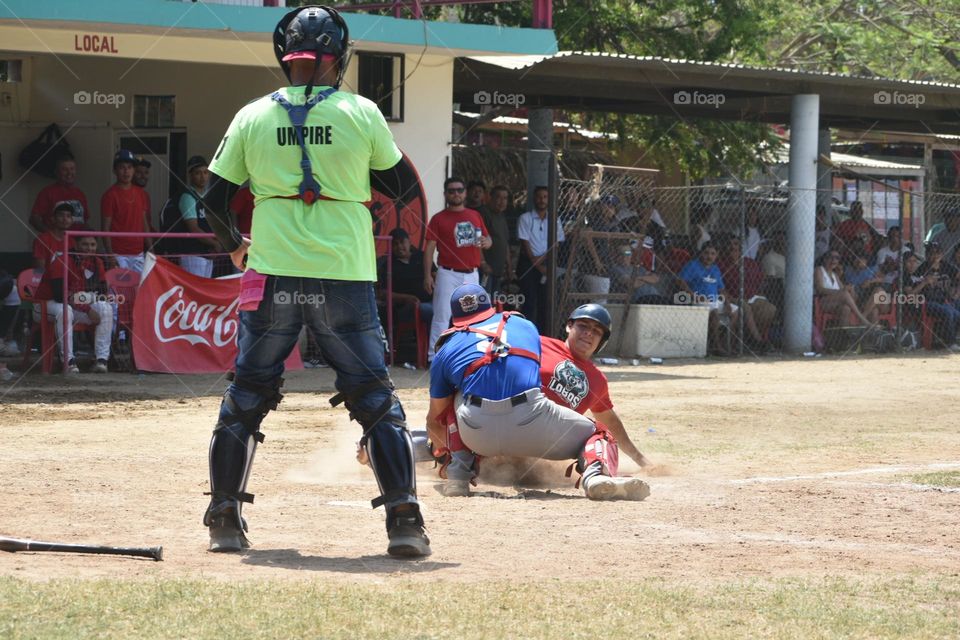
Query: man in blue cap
point(487, 370)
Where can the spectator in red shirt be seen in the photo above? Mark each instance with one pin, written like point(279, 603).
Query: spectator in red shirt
point(86, 286)
point(242, 207)
point(759, 312)
point(48, 246)
point(856, 228)
point(63, 190)
point(124, 207)
point(457, 234)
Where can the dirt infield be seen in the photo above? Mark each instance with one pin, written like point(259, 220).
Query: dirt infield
point(773, 468)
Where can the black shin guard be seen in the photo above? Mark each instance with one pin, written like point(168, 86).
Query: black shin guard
point(232, 448)
point(231, 458)
point(387, 442)
point(390, 450)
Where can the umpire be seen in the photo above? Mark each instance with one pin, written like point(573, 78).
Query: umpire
point(310, 152)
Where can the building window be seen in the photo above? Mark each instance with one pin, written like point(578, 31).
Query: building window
point(381, 80)
point(11, 70)
point(152, 112)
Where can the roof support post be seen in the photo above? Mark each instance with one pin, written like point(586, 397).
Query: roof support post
point(801, 223)
point(824, 174)
point(539, 158)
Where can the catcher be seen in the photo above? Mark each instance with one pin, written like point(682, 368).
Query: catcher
point(487, 369)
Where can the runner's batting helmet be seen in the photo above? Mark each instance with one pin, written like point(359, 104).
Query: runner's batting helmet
point(596, 313)
point(310, 32)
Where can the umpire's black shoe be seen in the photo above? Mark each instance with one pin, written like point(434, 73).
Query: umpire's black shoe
point(407, 536)
point(225, 539)
point(225, 535)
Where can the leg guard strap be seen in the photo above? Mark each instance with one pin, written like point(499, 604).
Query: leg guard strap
point(219, 513)
point(367, 417)
point(270, 393)
point(250, 418)
point(221, 496)
point(397, 494)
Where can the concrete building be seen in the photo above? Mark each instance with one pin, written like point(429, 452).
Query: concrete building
point(164, 78)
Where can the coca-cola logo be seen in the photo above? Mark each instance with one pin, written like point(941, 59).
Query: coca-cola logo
point(179, 318)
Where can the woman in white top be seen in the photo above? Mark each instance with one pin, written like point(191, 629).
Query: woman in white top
point(699, 219)
point(751, 244)
point(834, 295)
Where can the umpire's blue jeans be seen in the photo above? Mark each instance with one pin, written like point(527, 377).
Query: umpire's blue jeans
point(343, 318)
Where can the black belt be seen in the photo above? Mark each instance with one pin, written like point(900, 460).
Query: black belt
point(458, 270)
point(516, 400)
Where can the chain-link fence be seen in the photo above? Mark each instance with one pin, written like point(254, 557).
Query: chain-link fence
point(695, 270)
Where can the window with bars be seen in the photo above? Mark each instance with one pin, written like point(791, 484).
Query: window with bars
point(153, 112)
point(381, 80)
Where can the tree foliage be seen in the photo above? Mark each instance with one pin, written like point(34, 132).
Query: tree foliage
point(690, 29)
point(903, 39)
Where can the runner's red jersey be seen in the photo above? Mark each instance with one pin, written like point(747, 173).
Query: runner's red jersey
point(572, 382)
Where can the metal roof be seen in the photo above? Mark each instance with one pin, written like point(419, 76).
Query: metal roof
point(525, 61)
point(582, 80)
point(847, 160)
point(520, 124)
point(870, 166)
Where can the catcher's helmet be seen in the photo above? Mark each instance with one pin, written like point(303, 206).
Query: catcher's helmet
point(468, 300)
point(596, 313)
point(309, 32)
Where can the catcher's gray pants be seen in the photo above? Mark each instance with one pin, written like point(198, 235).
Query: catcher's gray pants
point(527, 425)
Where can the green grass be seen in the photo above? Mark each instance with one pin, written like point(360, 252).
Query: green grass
point(939, 479)
point(902, 607)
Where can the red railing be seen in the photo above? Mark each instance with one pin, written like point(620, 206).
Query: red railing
point(68, 235)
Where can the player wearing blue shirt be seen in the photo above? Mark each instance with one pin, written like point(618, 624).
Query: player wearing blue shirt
point(701, 283)
point(487, 370)
point(703, 277)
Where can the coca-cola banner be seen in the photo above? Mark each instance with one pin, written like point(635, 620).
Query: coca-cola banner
point(185, 323)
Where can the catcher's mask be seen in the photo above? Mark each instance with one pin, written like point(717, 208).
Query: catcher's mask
point(309, 33)
point(597, 313)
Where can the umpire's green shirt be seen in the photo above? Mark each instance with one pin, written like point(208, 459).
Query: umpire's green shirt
point(346, 136)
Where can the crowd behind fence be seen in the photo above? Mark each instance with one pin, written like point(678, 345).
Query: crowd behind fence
point(695, 270)
point(687, 271)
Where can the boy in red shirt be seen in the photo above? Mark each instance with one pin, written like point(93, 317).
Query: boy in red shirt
point(125, 207)
point(48, 246)
point(86, 288)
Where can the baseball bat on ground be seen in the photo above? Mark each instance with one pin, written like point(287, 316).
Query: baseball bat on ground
point(16, 544)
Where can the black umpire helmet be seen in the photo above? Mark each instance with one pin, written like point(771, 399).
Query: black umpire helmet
point(597, 313)
point(310, 32)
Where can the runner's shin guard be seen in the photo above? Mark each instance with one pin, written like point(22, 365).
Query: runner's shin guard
point(600, 455)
